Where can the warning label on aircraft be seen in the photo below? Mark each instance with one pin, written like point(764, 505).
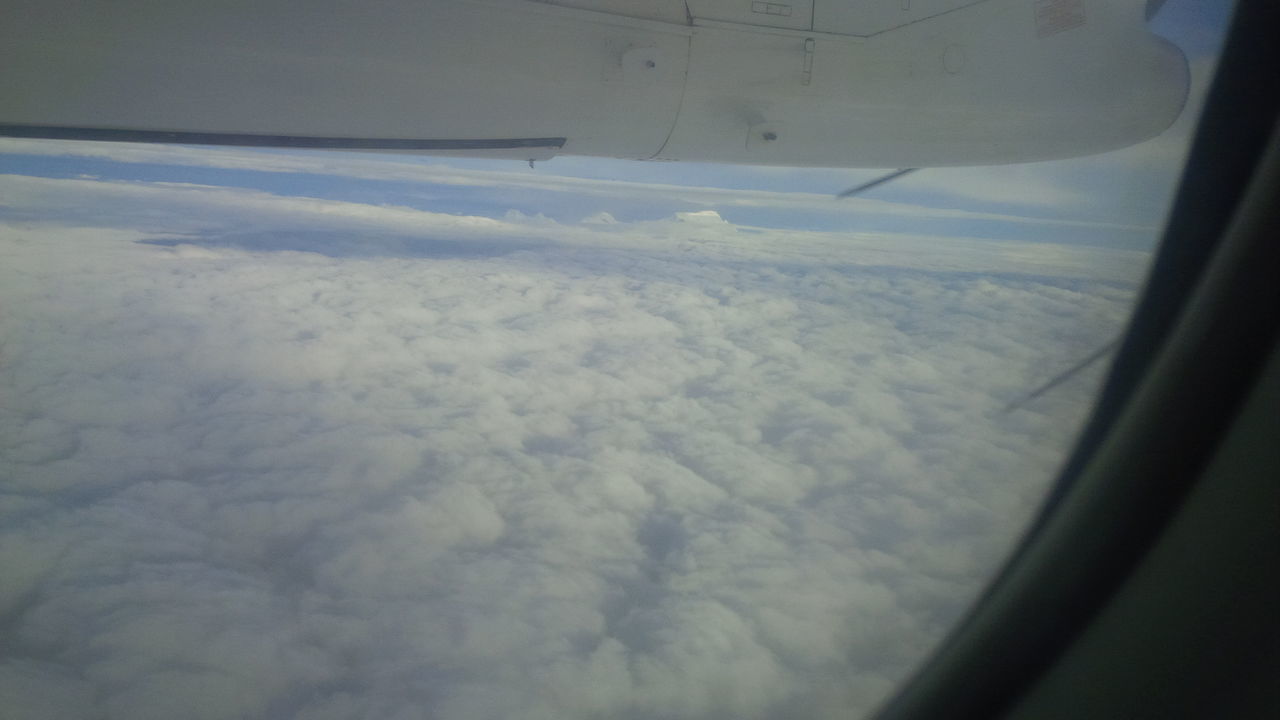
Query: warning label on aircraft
point(1054, 16)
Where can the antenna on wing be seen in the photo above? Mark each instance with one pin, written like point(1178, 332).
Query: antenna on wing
point(1063, 376)
point(878, 181)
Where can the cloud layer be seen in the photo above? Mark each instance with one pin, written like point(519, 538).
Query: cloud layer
point(283, 457)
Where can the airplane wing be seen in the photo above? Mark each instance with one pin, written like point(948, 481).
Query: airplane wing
point(880, 83)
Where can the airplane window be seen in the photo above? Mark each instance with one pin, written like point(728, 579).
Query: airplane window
point(494, 427)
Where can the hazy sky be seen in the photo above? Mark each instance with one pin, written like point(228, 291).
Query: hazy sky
point(328, 435)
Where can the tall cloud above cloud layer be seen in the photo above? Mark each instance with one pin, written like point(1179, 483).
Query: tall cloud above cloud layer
point(283, 457)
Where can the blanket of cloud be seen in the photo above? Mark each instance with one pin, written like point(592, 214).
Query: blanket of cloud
point(270, 456)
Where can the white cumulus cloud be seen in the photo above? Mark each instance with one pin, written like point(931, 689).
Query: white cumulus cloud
point(283, 457)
